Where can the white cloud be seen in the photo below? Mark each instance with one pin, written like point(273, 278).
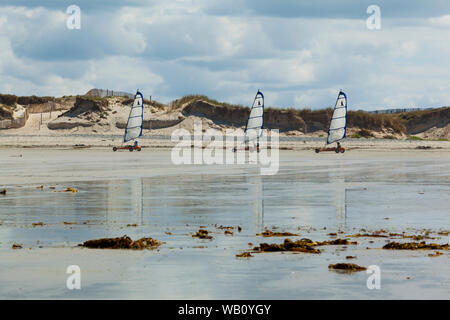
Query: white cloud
point(443, 21)
point(181, 47)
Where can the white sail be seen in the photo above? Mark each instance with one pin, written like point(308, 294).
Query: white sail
point(255, 122)
point(338, 124)
point(133, 129)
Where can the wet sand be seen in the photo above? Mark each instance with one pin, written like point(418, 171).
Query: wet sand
point(312, 195)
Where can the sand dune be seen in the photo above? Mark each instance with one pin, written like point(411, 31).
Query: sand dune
point(96, 121)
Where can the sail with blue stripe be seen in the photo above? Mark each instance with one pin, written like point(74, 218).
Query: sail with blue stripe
point(133, 129)
point(254, 127)
point(338, 124)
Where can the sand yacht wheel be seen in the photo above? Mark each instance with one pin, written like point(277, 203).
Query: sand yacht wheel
point(129, 148)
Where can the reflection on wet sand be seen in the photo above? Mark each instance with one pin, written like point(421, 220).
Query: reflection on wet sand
point(143, 201)
point(256, 193)
point(138, 196)
point(340, 197)
point(309, 199)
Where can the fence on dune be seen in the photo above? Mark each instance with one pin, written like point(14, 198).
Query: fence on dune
point(398, 110)
point(102, 93)
point(15, 123)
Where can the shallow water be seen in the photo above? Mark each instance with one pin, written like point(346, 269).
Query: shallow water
point(311, 195)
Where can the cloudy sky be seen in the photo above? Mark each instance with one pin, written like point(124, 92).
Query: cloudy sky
point(298, 52)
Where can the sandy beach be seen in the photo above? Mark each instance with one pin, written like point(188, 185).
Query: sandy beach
point(225, 158)
point(145, 195)
point(47, 140)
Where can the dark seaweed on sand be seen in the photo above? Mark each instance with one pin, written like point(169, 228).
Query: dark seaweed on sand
point(269, 233)
point(303, 245)
point(415, 246)
point(202, 234)
point(349, 267)
point(124, 242)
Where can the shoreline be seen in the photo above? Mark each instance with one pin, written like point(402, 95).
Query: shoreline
point(163, 142)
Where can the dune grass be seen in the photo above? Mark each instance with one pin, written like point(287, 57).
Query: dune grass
point(176, 104)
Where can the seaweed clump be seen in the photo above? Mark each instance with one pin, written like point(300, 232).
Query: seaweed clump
point(224, 227)
point(68, 189)
point(303, 245)
point(415, 246)
point(38, 224)
point(436, 254)
point(414, 237)
point(378, 234)
point(336, 242)
point(368, 235)
point(348, 267)
point(202, 234)
point(244, 255)
point(268, 233)
point(123, 242)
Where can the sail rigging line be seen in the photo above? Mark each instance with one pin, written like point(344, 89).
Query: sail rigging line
point(338, 122)
point(133, 129)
